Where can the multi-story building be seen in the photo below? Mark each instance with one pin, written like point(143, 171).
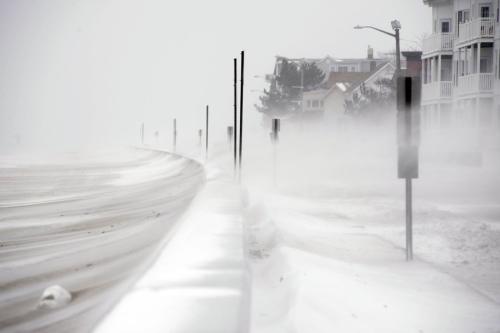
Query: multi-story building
point(461, 65)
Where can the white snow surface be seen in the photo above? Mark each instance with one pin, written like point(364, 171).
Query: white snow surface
point(89, 224)
point(324, 245)
point(200, 282)
point(326, 242)
point(320, 247)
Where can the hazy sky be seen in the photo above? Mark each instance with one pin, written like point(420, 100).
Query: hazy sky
point(77, 72)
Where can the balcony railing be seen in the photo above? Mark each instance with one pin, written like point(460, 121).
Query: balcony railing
point(478, 28)
point(475, 84)
point(436, 90)
point(438, 42)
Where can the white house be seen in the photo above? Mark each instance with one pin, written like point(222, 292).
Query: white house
point(461, 65)
point(329, 102)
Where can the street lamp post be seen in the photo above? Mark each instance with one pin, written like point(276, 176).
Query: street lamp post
point(407, 149)
point(396, 26)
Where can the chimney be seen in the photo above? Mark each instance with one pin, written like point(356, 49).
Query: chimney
point(370, 52)
point(373, 64)
point(413, 63)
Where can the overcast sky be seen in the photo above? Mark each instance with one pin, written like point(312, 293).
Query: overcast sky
point(81, 72)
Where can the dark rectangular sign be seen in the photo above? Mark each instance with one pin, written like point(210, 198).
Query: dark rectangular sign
point(408, 126)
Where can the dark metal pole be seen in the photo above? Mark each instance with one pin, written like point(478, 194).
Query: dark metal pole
point(241, 105)
point(235, 148)
point(409, 220)
point(398, 55)
point(206, 135)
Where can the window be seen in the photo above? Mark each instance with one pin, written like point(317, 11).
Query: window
point(485, 11)
point(495, 57)
point(343, 69)
point(315, 103)
point(499, 66)
point(445, 26)
point(484, 65)
point(308, 103)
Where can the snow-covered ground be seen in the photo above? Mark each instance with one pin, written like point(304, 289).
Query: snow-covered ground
point(200, 283)
point(319, 248)
point(327, 241)
point(87, 223)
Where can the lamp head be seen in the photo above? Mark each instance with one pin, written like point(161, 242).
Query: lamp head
point(396, 25)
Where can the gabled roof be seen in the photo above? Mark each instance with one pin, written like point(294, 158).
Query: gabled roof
point(346, 82)
point(373, 74)
point(352, 79)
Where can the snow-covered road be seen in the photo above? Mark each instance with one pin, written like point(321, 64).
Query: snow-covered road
point(91, 224)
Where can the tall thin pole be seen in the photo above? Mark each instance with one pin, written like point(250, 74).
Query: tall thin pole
point(408, 185)
point(241, 104)
point(235, 132)
point(142, 133)
point(409, 220)
point(302, 64)
point(398, 54)
point(206, 134)
point(175, 136)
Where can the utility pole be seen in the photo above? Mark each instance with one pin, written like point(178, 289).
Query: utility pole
point(241, 106)
point(206, 135)
point(235, 86)
point(302, 64)
point(175, 136)
point(398, 52)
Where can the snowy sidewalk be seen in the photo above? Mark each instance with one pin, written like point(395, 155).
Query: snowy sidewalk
point(200, 281)
point(314, 273)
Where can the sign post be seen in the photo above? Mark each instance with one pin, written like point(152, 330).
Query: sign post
point(408, 128)
point(275, 139)
point(230, 135)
